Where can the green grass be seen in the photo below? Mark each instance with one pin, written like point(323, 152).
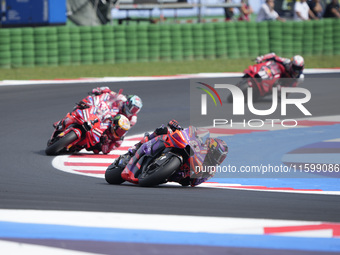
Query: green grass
point(147, 69)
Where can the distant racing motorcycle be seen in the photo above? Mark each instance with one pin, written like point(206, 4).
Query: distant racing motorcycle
point(85, 132)
point(263, 77)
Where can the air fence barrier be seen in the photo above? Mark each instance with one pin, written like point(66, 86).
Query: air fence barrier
point(54, 46)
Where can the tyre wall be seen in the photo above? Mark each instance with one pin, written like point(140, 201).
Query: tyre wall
point(53, 46)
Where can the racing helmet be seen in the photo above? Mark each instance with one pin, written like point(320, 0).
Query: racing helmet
point(120, 125)
point(296, 66)
point(217, 151)
point(132, 105)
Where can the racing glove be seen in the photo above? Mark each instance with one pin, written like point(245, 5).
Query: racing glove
point(162, 130)
point(100, 90)
point(82, 105)
point(173, 124)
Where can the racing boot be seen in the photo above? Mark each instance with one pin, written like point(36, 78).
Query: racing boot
point(135, 147)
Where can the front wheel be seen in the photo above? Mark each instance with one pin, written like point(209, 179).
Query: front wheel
point(160, 170)
point(114, 171)
point(113, 174)
point(242, 85)
point(58, 146)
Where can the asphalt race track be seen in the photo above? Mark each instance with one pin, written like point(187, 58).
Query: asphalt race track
point(29, 181)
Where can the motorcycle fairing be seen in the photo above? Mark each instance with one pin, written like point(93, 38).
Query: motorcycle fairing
point(179, 140)
point(265, 76)
point(147, 151)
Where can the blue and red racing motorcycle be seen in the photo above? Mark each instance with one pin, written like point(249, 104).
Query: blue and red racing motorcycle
point(178, 156)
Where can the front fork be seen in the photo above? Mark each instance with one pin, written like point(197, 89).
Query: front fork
point(78, 133)
point(142, 157)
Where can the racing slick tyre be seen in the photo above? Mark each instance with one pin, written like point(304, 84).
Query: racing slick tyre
point(56, 147)
point(158, 171)
point(113, 174)
point(242, 85)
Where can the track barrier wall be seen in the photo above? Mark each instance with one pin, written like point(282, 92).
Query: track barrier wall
point(66, 45)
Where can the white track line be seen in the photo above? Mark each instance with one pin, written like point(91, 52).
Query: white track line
point(22, 248)
point(148, 78)
point(180, 223)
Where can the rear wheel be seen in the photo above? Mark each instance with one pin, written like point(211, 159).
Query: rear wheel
point(58, 146)
point(158, 173)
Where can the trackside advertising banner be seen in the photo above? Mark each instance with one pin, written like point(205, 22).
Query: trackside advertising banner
point(285, 129)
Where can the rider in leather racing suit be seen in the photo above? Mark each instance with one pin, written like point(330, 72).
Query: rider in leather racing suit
point(189, 176)
point(289, 68)
point(127, 105)
point(117, 111)
point(114, 135)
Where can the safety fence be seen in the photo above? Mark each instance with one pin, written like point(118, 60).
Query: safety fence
point(53, 46)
